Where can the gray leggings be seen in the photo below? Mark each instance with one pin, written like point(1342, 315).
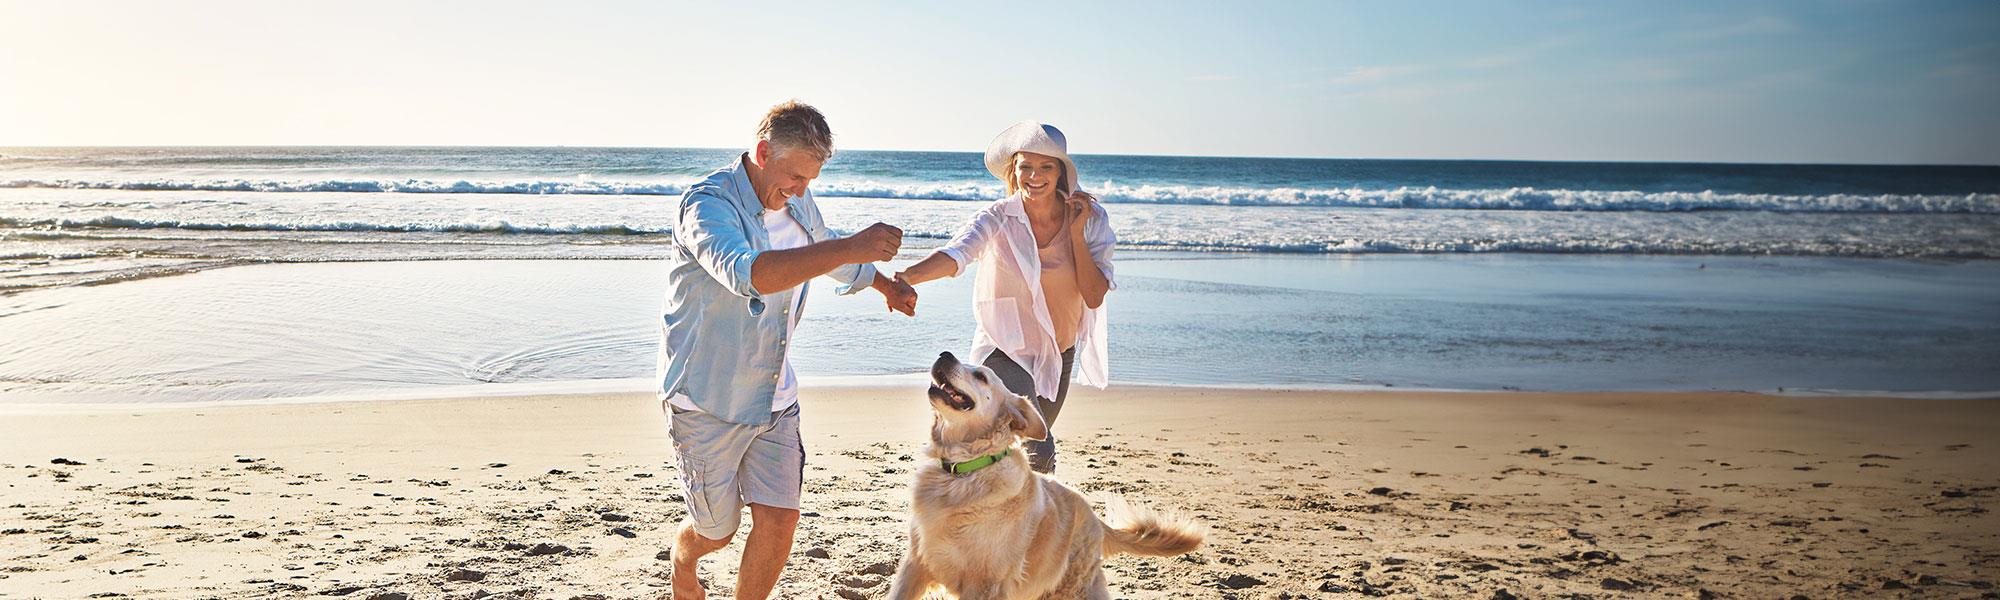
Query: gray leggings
point(1041, 453)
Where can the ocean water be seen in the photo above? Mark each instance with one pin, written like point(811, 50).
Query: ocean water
point(313, 271)
point(1481, 322)
point(76, 215)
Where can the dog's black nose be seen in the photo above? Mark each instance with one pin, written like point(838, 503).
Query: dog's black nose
point(946, 363)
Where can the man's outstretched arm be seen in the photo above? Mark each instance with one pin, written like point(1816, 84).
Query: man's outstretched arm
point(779, 270)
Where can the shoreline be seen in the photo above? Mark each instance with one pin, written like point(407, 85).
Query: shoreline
point(1306, 493)
point(641, 386)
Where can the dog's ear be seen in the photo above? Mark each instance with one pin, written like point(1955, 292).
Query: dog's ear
point(1025, 418)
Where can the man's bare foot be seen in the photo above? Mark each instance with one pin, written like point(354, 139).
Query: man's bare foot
point(687, 583)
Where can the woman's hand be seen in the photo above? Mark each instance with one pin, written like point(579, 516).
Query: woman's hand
point(1080, 210)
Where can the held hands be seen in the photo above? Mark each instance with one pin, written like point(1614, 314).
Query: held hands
point(877, 243)
point(1079, 206)
point(901, 296)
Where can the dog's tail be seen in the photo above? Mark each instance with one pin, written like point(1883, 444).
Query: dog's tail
point(1134, 529)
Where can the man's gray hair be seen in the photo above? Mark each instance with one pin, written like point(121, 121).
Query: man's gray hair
point(794, 125)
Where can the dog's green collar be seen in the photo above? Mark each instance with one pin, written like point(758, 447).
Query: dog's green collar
point(974, 464)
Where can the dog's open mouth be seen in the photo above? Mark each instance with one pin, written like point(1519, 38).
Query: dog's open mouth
point(941, 388)
point(951, 397)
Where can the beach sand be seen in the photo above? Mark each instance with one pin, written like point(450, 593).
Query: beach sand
point(1306, 494)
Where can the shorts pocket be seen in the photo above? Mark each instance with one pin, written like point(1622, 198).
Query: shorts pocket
point(692, 479)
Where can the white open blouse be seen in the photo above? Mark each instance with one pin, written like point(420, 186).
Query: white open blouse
point(1011, 314)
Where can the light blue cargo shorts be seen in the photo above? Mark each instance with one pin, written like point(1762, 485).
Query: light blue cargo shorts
point(725, 466)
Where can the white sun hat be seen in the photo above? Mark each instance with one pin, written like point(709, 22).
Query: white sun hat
point(1030, 136)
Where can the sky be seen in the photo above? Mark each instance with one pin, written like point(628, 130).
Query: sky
point(1841, 81)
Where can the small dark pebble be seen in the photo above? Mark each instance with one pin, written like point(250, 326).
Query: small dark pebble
point(1238, 581)
point(545, 548)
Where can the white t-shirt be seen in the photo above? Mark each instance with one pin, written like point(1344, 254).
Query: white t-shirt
point(786, 234)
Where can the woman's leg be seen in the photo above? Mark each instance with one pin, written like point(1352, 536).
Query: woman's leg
point(1041, 453)
point(1012, 374)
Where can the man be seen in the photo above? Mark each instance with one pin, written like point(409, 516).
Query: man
point(746, 240)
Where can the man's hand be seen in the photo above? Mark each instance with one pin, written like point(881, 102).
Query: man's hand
point(877, 243)
point(899, 294)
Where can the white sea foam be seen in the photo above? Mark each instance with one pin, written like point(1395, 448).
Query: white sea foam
point(327, 226)
point(1517, 198)
point(608, 226)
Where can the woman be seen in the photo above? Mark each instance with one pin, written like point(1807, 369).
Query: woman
point(1039, 300)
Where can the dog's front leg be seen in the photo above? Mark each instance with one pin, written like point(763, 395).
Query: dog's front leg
point(984, 590)
point(911, 579)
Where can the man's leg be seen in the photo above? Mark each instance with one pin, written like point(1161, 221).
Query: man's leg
point(766, 551)
point(709, 451)
point(689, 547)
point(772, 478)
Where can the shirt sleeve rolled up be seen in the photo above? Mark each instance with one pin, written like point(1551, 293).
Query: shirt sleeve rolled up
point(711, 229)
point(966, 247)
point(1099, 237)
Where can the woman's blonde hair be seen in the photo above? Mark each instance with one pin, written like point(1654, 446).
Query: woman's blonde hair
point(1014, 186)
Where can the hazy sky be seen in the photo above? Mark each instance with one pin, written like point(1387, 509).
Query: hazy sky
point(1819, 81)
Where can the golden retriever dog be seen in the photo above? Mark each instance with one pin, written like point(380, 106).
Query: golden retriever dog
point(986, 527)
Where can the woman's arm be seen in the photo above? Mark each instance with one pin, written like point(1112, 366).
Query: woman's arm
point(1090, 280)
point(936, 266)
point(963, 249)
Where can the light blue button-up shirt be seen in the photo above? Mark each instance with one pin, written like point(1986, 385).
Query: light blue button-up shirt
point(719, 346)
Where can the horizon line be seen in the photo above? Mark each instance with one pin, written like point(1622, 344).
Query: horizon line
point(1144, 155)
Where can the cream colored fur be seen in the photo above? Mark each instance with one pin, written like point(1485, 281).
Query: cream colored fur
point(1004, 532)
